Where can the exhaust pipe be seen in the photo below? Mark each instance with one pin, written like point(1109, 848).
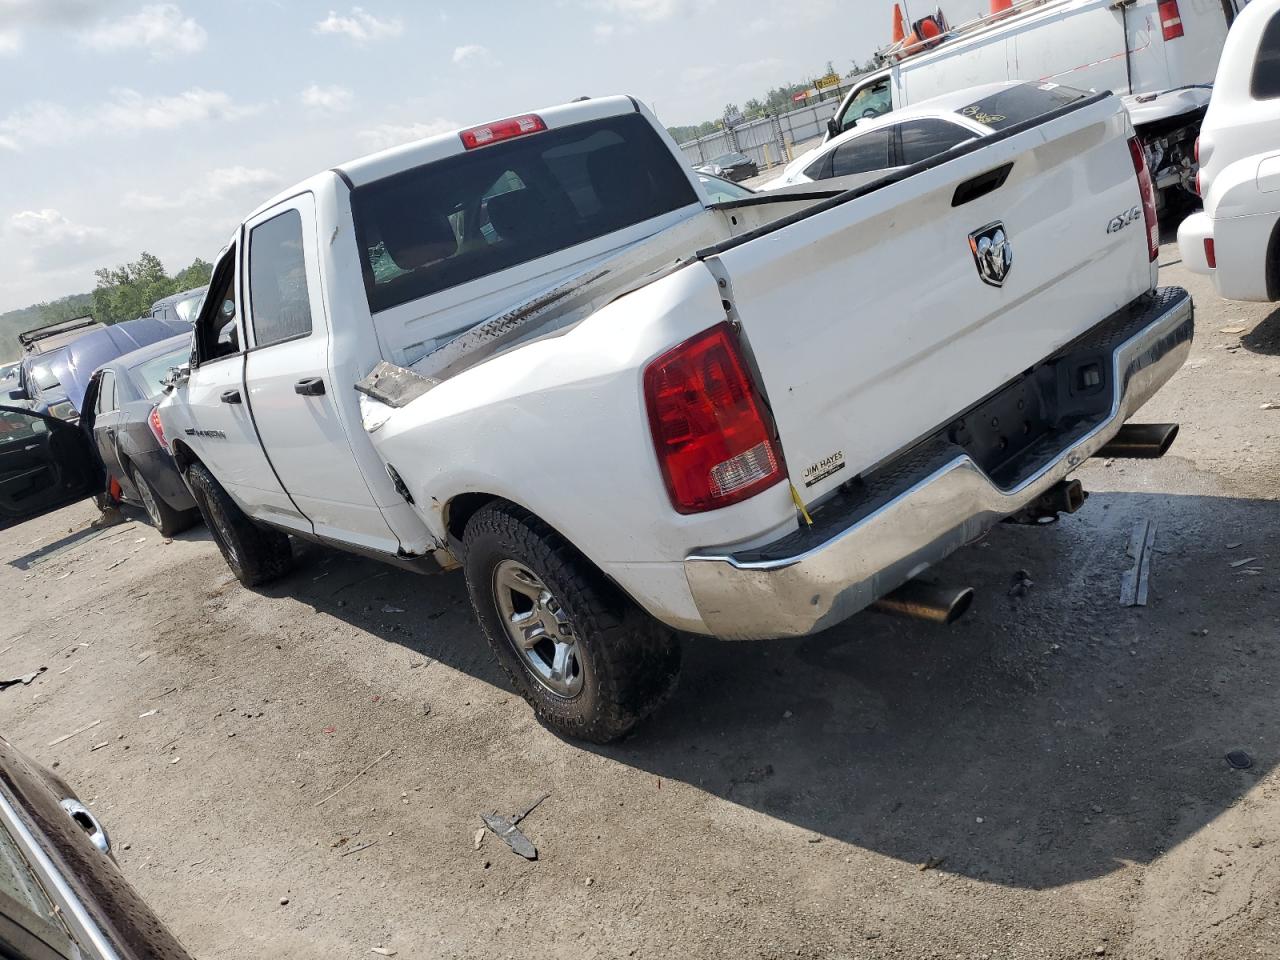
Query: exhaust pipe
point(917, 600)
point(1065, 496)
point(1141, 441)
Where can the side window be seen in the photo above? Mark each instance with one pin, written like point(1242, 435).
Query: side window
point(279, 300)
point(1266, 69)
point(922, 139)
point(107, 392)
point(217, 333)
point(869, 102)
point(862, 154)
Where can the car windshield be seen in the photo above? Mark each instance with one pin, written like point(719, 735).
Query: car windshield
point(43, 376)
point(149, 374)
point(720, 190)
point(188, 308)
point(493, 208)
point(1020, 103)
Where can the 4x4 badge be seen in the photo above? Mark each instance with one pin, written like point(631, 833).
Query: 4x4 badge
point(992, 252)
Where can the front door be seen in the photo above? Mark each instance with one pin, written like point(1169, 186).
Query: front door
point(293, 397)
point(106, 423)
point(45, 464)
point(221, 428)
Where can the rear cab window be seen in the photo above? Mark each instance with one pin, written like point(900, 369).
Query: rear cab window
point(1020, 103)
point(456, 220)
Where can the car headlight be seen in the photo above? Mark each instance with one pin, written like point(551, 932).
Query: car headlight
point(64, 410)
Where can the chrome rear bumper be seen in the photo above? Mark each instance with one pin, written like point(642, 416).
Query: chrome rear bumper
point(933, 501)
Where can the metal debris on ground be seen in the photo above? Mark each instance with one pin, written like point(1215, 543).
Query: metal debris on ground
point(388, 608)
point(1270, 405)
point(99, 746)
point(383, 952)
point(1234, 328)
point(354, 779)
point(25, 679)
point(363, 846)
point(1241, 563)
point(1134, 585)
point(479, 838)
point(1237, 543)
point(67, 736)
point(1239, 760)
point(149, 713)
point(505, 828)
point(932, 863)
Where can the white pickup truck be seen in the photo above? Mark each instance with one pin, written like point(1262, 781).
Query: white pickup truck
point(534, 350)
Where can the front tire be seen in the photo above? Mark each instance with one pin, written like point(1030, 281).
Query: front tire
point(590, 663)
point(255, 554)
point(163, 517)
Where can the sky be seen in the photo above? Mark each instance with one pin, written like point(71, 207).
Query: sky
point(128, 126)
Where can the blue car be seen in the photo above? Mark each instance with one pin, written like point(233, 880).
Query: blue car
point(55, 382)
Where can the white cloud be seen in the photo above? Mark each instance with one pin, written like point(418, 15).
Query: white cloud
point(159, 28)
point(128, 111)
point(10, 42)
point(51, 241)
point(332, 97)
point(392, 134)
point(648, 11)
point(361, 26)
point(218, 187)
point(471, 51)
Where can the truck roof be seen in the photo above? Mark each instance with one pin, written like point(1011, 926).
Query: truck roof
point(405, 156)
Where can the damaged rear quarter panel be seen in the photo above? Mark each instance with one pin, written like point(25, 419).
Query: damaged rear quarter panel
point(559, 427)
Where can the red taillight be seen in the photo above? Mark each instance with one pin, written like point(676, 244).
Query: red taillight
point(1170, 19)
point(1210, 254)
point(501, 130)
point(1197, 150)
point(1148, 192)
point(153, 421)
point(715, 446)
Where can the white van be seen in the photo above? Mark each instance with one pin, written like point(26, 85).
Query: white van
point(1160, 55)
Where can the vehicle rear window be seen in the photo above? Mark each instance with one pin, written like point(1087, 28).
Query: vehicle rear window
point(456, 220)
point(1266, 69)
point(149, 376)
point(1018, 104)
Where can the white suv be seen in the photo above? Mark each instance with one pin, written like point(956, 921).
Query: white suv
point(1236, 239)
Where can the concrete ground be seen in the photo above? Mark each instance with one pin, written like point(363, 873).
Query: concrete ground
point(1046, 779)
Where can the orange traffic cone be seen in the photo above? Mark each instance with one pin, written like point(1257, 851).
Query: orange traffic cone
point(1000, 6)
point(899, 25)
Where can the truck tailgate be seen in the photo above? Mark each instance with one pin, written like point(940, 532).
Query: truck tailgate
point(869, 321)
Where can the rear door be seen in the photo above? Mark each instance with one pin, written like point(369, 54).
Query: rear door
point(106, 423)
point(45, 464)
point(870, 321)
point(292, 396)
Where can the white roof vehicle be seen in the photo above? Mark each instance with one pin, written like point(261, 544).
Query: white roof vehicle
point(913, 134)
point(1160, 55)
point(537, 351)
point(1236, 238)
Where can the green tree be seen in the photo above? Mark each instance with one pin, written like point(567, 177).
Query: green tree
point(128, 291)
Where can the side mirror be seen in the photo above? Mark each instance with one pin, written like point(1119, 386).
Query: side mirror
point(833, 128)
point(19, 394)
point(176, 376)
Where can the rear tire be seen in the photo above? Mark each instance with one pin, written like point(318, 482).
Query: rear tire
point(589, 661)
point(255, 554)
point(163, 517)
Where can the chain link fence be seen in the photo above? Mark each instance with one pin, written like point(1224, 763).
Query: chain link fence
point(769, 140)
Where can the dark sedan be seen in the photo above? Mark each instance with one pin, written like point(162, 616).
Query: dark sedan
point(62, 897)
point(121, 401)
point(731, 166)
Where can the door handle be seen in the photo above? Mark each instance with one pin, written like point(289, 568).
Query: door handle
point(230, 396)
point(310, 387)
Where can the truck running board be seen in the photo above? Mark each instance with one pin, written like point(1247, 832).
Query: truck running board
point(1141, 441)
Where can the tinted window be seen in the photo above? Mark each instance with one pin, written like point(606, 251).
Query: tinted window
point(922, 139)
point(862, 154)
point(1266, 69)
point(492, 208)
point(278, 296)
point(1014, 105)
